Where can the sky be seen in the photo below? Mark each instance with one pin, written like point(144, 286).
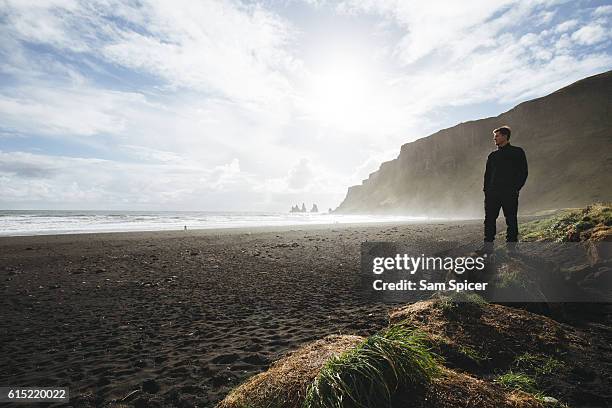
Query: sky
point(257, 106)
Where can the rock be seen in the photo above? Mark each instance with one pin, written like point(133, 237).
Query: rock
point(297, 209)
point(550, 400)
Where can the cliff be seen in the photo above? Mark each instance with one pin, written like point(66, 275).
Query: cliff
point(566, 135)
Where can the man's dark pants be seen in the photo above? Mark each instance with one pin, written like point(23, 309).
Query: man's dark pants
point(494, 200)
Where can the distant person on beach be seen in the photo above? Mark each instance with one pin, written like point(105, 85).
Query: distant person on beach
point(505, 175)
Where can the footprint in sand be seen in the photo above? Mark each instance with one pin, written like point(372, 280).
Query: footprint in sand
point(225, 359)
point(254, 347)
point(256, 359)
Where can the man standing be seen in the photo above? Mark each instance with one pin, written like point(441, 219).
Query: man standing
point(505, 175)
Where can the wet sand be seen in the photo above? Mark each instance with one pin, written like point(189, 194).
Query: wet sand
point(183, 316)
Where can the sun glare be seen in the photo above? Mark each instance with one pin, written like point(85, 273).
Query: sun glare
point(341, 93)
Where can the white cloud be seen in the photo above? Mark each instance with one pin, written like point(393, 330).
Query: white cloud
point(590, 34)
point(213, 131)
point(546, 17)
point(228, 176)
point(148, 154)
point(223, 47)
point(96, 182)
point(438, 25)
point(66, 182)
point(603, 10)
point(52, 22)
point(563, 44)
point(471, 54)
point(566, 25)
point(70, 112)
point(301, 175)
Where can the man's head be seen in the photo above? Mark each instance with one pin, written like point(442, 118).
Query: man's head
point(501, 136)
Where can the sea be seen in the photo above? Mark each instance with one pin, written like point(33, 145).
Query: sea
point(49, 222)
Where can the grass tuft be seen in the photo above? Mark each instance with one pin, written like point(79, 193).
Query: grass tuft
point(538, 364)
point(518, 381)
point(448, 303)
point(512, 278)
point(473, 354)
point(368, 376)
point(532, 368)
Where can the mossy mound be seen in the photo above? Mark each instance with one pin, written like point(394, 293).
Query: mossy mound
point(286, 382)
point(393, 368)
point(491, 341)
point(593, 222)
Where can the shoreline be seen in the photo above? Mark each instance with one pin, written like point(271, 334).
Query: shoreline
point(235, 230)
point(24, 223)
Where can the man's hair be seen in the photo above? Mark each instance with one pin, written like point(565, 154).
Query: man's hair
point(504, 130)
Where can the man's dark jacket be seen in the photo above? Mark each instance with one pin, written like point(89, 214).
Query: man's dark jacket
point(506, 170)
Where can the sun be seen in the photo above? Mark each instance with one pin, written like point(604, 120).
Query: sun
point(340, 92)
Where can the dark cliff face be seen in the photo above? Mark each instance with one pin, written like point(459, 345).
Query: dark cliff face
point(567, 137)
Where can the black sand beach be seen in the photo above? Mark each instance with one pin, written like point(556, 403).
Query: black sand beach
point(185, 315)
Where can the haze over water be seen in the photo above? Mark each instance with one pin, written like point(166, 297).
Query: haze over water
point(46, 222)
